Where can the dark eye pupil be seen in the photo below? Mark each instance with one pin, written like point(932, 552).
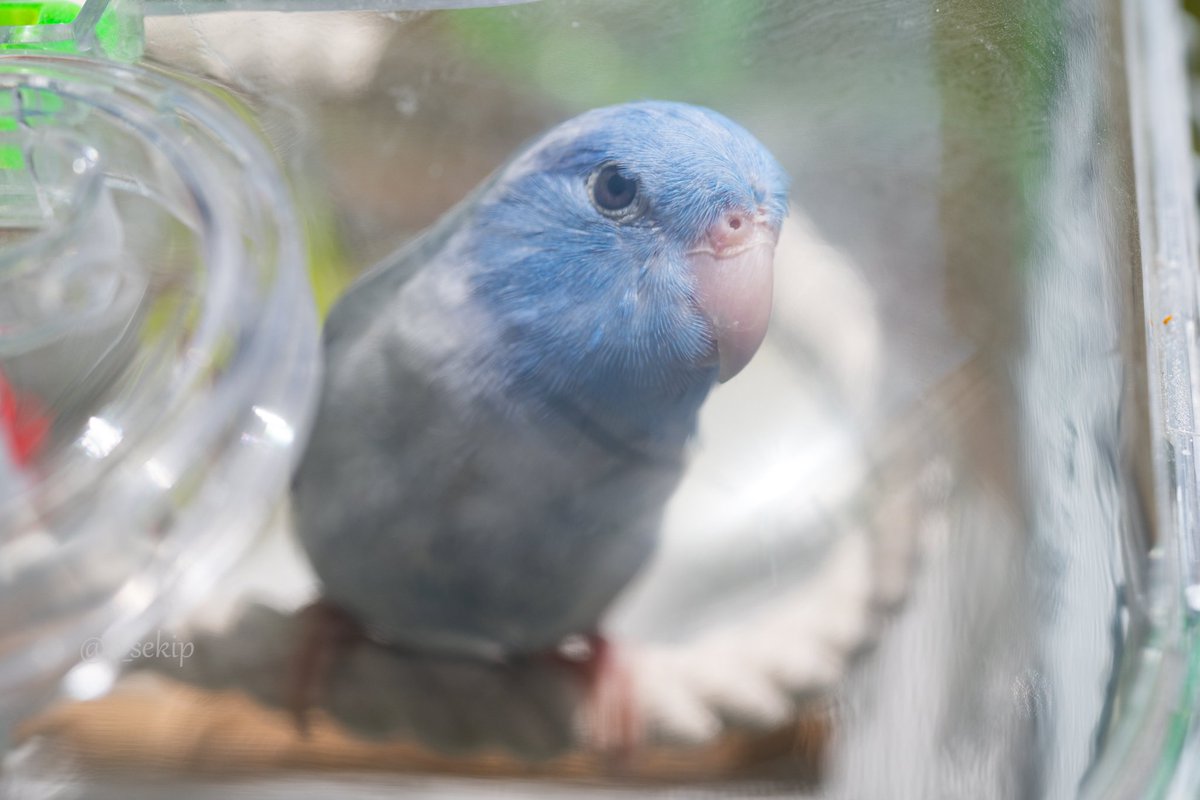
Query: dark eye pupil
point(612, 190)
point(617, 185)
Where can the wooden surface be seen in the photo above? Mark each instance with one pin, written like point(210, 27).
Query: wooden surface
point(181, 730)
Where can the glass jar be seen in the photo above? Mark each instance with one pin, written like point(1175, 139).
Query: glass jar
point(937, 540)
point(155, 321)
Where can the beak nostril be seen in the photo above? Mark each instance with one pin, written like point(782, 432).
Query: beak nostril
point(735, 230)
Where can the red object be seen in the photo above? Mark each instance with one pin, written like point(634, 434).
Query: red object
point(23, 424)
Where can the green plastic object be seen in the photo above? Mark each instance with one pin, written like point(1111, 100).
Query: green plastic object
point(24, 108)
point(109, 29)
point(101, 29)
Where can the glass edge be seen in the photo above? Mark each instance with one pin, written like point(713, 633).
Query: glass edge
point(1143, 751)
point(176, 7)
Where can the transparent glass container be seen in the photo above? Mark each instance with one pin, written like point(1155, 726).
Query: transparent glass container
point(938, 540)
point(156, 323)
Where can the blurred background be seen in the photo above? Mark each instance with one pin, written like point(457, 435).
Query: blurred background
point(934, 541)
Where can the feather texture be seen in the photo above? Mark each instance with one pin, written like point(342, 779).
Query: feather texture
point(507, 401)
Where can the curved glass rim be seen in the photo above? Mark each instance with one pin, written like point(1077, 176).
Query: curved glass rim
point(277, 361)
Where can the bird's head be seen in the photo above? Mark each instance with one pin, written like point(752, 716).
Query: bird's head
point(631, 248)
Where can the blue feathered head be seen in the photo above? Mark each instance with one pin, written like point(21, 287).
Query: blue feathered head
point(626, 257)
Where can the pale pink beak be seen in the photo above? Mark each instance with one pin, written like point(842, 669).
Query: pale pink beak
point(733, 264)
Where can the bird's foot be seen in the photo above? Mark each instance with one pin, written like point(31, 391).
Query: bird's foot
point(326, 632)
point(610, 719)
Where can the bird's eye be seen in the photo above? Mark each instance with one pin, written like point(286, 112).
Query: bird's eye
point(614, 194)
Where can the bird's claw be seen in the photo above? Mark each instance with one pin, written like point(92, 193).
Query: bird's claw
point(609, 718)
point(325, 633)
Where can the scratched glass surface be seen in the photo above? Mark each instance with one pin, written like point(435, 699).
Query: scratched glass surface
point(931, 542)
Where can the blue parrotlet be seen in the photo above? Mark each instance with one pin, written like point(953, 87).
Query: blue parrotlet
point(507, 401)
